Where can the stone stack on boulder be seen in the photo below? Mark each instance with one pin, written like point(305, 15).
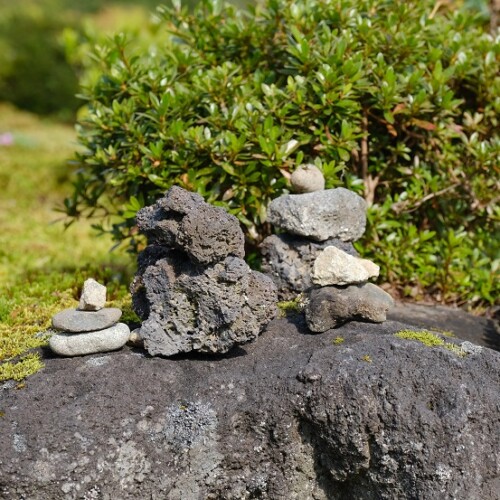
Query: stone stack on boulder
point(193, 290)
point(315, 255)
point(91, 328)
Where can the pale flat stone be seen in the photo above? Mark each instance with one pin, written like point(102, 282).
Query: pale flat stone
point(333, 266)
point(307, 179)
point(73, 320)
point(93, 296)
point(110, 339)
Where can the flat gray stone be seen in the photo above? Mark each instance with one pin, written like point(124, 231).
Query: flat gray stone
point(333, 266)
point(93, 296)
point(109, 339)
point(331, 213)
point(332, 306)
point(75, 321)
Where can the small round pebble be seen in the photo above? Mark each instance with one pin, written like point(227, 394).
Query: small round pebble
point(307, 179)
point(109, 339)
point(72, 320)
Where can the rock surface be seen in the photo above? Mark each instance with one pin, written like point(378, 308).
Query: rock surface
point(73, 320)
point(289, 261)
point(292, 416)
point(183, 220)
point(307, 179)
point(329, 306)
point(71, 344)
point(93, 296)
point(332, 213)
point(333, 266)
point(207, 309)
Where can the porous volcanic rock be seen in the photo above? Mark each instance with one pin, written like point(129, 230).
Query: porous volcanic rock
point(289, 261)
point(183, 220)
point(291, 416)
point(331, 306)
point(185, 307)
point(331, 213)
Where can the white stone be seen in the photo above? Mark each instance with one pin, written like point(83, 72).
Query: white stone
point(71, 344)
point(93, 296)
point(307, 179)
point(336, 267)
point(135, 339)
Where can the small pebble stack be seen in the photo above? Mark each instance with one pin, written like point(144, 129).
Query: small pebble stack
point(317, 257)
point(91, 328)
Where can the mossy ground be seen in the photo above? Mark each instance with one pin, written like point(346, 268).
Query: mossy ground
point(42, 265)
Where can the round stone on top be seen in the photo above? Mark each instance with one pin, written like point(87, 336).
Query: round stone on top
point(75, 321)
point(307, 179)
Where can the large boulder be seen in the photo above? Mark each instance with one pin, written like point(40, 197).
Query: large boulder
point(289, 261)
point(291, 416)
point(183, 220)
point(321, 215)
point(185, 307)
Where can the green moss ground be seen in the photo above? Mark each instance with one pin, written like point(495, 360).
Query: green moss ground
point(43, 266)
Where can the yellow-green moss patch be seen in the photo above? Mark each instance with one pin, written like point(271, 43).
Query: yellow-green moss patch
point(290, 306)
point(430, 340)
point(338, 340)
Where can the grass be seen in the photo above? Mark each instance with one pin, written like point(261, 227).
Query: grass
point(42, 265)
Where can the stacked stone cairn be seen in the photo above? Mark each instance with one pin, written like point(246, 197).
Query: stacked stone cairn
point(193, 290)
point(315, 255)
point(91, 328)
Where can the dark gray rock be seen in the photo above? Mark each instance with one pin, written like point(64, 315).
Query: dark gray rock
point(289, 260)
point(184, 221)
point(332, 213)
point(331, 306)
point(209, 309)
point(291, 416)
point(73, 320)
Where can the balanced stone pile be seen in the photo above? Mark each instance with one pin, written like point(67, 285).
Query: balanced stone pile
point(316, 255)
point(90, 328)
point(193, 290)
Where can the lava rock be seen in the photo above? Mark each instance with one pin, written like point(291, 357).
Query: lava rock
point(332, 213)
point(289, 261)
point(71, 344)
point(330, 306)
point(194, 308)
point(93, 296)
point(336, 267)
point(73, 320)
point(183, 220)
point(307, 179)
point(291, 416)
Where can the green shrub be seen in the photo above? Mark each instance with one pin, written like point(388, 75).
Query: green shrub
point(388, 100)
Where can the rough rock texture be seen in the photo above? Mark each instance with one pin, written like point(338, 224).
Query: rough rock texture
point(307, 179)
point(93, 296)
point(329, 306)
point(73, 320)
point(208, 309)
point(290, 417)
point(333, 266)
point(332, 213)
point(183, 220)
point(71, 344)
point(289, 261)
